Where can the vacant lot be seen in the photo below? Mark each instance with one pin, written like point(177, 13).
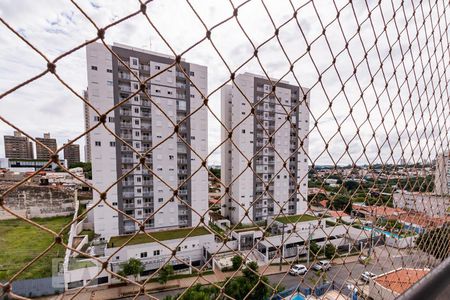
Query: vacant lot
point(20, 242)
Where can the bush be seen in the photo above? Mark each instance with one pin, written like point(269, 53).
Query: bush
point(237, 262)
point(330, 251)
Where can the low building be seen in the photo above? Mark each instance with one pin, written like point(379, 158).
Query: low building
point(28, 165)
point(430, 204)
point(392, 284)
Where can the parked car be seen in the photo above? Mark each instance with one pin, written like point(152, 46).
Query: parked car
point(322, 265)
point(366, 276)
point(363, 259)
point(298, 270)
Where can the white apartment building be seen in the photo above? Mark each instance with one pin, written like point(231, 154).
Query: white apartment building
point(442, 175)
point(427, 203)
point(144, 124)
point(276, 146)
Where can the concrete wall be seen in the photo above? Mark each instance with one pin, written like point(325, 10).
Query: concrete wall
point(39, 202)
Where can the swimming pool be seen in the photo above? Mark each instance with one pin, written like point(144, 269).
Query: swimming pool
point(297, 297)
point(379, 231)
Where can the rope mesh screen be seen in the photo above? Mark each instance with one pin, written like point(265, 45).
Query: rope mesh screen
point(373, 81)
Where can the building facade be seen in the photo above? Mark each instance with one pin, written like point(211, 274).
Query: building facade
point(87, 126)
point(274, 139)
point(18, 146)
point(144, 125)
point(442, 175)
point(41, 152)
point(427, 203)
point(72, 153)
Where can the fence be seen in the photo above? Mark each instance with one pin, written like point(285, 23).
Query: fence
point(324, 112)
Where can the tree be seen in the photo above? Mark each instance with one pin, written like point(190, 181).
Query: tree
point(330, 250)
point(237, 261)
point(240, 287)
point(314, 249)
point(165, 273)
point(132, 267)
point(215, 171)
point(435, 242)
point(197, 292)
point(351, 185)
point(341, 202)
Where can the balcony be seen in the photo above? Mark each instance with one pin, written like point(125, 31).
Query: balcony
point(123, 88)
point(128, 194)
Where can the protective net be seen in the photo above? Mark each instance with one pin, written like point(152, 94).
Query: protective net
point(329, 123)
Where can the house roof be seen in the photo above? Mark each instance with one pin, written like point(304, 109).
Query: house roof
point(337, 213)
point(379, 211)
point(400, 280)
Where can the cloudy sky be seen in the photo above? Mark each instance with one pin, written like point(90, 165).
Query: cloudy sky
point(379, 88)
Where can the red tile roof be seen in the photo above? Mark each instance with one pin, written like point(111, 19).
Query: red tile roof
point(400, 280)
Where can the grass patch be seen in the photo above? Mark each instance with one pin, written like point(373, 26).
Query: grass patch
point(89, 233)
point(142, 238)
point(295, 219)
point(21, 242)
point(77, 264)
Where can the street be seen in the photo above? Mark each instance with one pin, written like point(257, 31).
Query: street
point(341, 275)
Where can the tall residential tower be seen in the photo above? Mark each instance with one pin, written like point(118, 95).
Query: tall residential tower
point(18, 146)
point(442, 174)
point(270, 127)
point(144, 124)
point(41, 152)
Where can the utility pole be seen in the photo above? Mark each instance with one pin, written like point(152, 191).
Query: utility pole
point(371, 235)
point(307, 244)
point(282, 245)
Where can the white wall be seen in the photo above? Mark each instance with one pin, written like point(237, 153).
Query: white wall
point(104, 171)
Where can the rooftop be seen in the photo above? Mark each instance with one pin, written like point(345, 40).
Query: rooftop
point(400, 280)
point(150, 237)
point(295, 219)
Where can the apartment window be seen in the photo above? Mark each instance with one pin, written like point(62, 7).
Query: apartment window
point(109, 82)
point(136, 110)
point(112, 144)
point(136, 98)
point(160, 200)
point(109, 70)
point(157, 68)
point(114, 203)
point(94, 68)
point(143, 254)
point(192, 137)
point(171, 157)
point(98, 143)
point(243, 130)
point(136, 122)
point(134, 61)
point(138, 179)
point(96, 118)
point(191, 73)
point(169, 92)
point(156, 252)
point(192, 96)
point(111, 119)
point(157, 91)
point(136, 133)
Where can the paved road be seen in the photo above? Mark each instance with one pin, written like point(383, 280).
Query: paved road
point(344, 274)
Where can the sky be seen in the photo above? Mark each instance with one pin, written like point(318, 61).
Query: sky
point(379, 91)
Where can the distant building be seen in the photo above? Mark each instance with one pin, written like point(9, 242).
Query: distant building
point(392, 284)
point(442, 175)
point(432, 205)
point(275, 132)
point(41, 152)
point(18, 146)
point(87, 126)
point(72, 153)
point(28, 165)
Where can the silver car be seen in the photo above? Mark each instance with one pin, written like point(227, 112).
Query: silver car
point(298, 270)
point(322, 265)
point(366, 276)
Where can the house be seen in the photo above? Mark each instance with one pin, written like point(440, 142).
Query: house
point(390, 285)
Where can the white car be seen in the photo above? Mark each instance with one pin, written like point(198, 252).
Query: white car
point(298, 270)
point(366, 276)
point(322, 265)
